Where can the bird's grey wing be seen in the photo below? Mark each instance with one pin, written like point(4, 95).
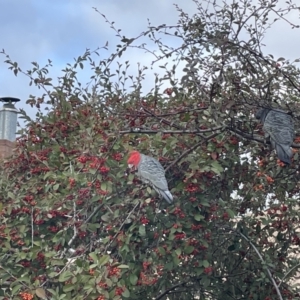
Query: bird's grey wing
point(151, 170)
point(284, 153)
point(280, 127)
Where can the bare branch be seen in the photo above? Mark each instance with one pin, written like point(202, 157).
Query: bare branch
point(190, 150)
point(118, 231)
point(162, 120)
point(261, 258)
point(74, 226)
point(150, 131)
point(15, 278)
point(32, 228)
point(254, 137)
point(286, 274)
point(160, 296)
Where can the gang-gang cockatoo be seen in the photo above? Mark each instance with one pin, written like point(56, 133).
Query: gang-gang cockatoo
point(279, 126)
point(151, 172)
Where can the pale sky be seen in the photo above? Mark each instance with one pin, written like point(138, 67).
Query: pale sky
point(60, 30)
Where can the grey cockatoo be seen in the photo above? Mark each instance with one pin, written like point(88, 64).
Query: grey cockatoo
point(150, 171)
point(279, 126)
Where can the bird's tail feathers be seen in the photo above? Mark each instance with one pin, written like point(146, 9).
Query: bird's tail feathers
point(167, 196)
point(284, 153)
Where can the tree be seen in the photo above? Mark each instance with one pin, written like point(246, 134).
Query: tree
point(75, 224)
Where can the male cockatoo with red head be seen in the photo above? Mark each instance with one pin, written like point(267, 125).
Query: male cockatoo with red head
point(150, 171)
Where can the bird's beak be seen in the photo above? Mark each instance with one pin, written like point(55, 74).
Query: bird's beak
point(131, 167)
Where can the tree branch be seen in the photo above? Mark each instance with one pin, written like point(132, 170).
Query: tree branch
point(162, 120)
point(180, 130)
point(261, 258)
point(254, 137)
point(182, 111)
point(170, 289)
point(118, 231)
point(15, 278)
point(242, 134)
point(286, 274)
point(32, 226)
point(150, 131)
point(190, 150)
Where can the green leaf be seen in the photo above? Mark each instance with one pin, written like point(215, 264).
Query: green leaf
point(198, 217)
point(126, 293)
point(56, 187)
point(169, 266)
point(216, 167)
point(230, 213)
point(11, 195)
point(205, 263)
point(205, 281)
point(199, 271)
point(176, 260)
point(94, 256)
point(106, 217)
point(142, 230)
point(93, 227)
point(130, 177)
point(171, 237)
point(68, 288)
point(65, 276)
point(103, 260)
point(189, 249)
point(186, 117)
point(7, 245)
point(133, 279)
point(103, 186)
point(40, 293)
point(123, 267)
point(109, 187)
point(95, 198)
point(22, 228)
point(162, 251)
point(57, 262)
point(178, 251)
point(52, 274)
point(16, 289)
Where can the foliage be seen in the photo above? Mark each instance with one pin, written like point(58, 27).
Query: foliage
point(76, 224)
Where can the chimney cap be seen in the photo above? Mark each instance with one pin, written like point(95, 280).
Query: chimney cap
point(9, 99)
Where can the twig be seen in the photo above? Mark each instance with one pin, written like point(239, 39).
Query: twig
point(286, 274)
point(182, 111)
point(15, 278)
point(162, 120)
point(183, 131)
point(261, 258)
point(102, 204)
point(93, 213)
point(32, 233)
point(198, 132)
point(190, 150)
point(74, 227)
point(171, 289)
point(253, 137)
point(242, 134)
point(121, 226)
point(74, 234)
point(70, 261)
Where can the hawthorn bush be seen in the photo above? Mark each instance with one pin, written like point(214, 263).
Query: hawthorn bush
point(77, 224)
